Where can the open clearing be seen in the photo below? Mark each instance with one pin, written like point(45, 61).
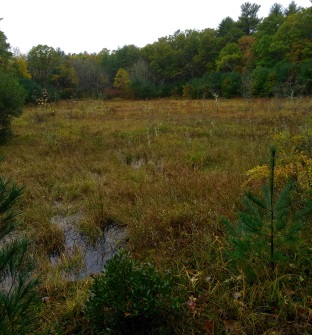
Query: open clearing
point(167, 172)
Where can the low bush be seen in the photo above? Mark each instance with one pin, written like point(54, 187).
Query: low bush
point(131, 298)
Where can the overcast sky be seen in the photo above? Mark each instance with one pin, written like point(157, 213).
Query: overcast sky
point(91, 25)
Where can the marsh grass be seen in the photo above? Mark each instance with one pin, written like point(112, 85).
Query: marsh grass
point(169, 171)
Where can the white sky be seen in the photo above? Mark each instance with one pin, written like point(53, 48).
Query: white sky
point(91, 25)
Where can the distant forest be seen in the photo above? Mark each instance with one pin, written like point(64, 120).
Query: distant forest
point(250, 57)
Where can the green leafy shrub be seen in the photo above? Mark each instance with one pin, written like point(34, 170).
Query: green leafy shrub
point(30, 88)
point(260, 81)
point(131, 298)
point(17, 284)
point(231, 84)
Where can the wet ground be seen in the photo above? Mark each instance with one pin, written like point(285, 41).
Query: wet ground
point(92, 255)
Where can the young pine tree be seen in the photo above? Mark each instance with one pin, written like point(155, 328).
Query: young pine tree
point(267, 232)
point(17, 285)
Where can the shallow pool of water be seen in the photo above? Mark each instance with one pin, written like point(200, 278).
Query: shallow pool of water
point(93, 256)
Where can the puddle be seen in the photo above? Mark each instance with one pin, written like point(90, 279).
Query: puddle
point(92, 256)
point(138, 163)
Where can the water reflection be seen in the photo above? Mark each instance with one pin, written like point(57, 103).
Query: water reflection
point(86, 257)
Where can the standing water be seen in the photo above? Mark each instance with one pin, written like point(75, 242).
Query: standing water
point(92, 256)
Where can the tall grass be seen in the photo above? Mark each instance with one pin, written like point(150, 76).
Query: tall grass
point(169, 171)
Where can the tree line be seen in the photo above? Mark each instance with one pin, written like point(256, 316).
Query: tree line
point(252, 56)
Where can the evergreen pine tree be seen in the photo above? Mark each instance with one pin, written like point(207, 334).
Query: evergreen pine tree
point(17, 283)
point(268, 230)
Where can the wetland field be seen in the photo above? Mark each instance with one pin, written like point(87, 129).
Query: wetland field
point(158, 178)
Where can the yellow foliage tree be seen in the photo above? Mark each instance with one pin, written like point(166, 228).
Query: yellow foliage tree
point(22, 66)
point(65, 78)
point(122, 82)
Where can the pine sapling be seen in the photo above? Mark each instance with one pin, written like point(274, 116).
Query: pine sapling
point(267, 231)
point(17, 285)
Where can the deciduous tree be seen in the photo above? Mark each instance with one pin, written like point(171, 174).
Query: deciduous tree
point(21, 64)
point(122, 82)
point(162, 59)
point(65, 78)
point(90, 73)
point(229, 57)
point(295, 35)
point(205, 60)
point(245, 43)
point(42, 60)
